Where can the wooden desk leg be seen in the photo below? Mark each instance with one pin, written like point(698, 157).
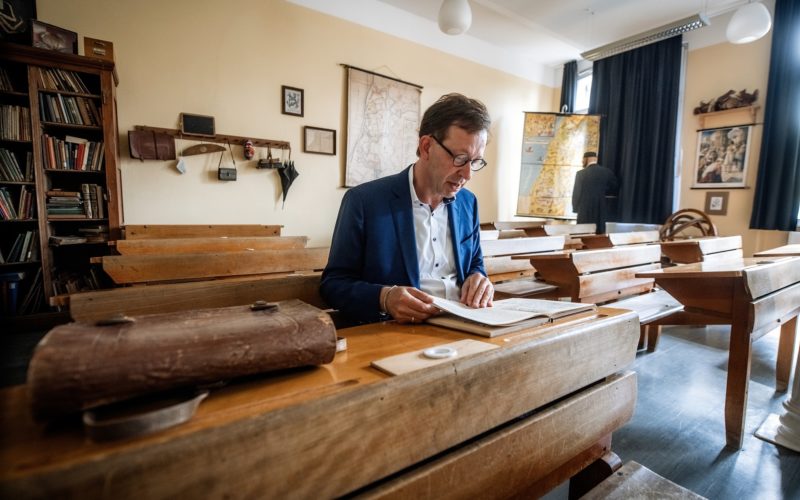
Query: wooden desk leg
point(594, 474)
point(783, 366)
point(738, 371)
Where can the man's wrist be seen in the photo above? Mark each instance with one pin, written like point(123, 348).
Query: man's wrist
point(385, 300)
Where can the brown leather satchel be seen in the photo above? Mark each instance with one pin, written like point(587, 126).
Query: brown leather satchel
point(149, 145)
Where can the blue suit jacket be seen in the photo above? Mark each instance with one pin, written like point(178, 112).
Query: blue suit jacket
point(374, 245)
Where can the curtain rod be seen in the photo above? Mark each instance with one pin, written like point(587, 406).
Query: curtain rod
point(382, 76)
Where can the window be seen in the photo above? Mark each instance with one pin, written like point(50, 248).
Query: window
point(583, 91)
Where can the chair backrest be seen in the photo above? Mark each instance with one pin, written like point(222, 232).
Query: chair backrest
point(150, 231)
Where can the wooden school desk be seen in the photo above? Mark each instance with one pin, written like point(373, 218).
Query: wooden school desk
point(707, 249)
point(754, 296)
point(515, 420)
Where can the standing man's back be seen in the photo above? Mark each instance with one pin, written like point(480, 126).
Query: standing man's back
point(592, 184)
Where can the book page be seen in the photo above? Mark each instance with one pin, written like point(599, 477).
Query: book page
point(508, 311)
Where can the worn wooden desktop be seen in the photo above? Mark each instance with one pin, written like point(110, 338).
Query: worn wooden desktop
point(706, 249)
point(346, 427)
point(754, 296)
point(791, 250)
point(609, 240)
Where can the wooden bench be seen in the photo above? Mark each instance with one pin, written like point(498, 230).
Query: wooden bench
point(609, 240)
point(207, 244)
point(634, 480)
point(572, 232)
point(131, 269)
point(608, 276)
point(154, 231)
point(514, 278)
point(707, 249)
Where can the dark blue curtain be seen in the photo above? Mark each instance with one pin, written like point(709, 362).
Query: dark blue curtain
point(777, 195)
point(569, 85)
point(636, 94)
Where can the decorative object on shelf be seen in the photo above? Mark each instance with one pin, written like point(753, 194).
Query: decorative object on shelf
point(686, 221)
point(47, 36)
point(200, 125)
point(17, 16)
point(217, 138)
point(149, 145)
point(226, 173)
point(249, 151)
point(729, 100)
point(749, 23)
point(455, 17)
point(722, 157)
point(319, 140)
point(99, 49)
point(292, 101)
point(716, 203)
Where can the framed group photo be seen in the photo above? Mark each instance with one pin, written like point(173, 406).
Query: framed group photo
point(722, 157)
point(292, 101)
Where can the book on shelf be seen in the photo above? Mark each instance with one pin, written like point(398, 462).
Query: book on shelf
point(505, 316)
point(58, 241)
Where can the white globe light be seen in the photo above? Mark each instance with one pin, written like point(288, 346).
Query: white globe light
point(749, 23)
point(455, 17)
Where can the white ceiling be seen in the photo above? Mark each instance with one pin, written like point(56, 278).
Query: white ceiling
point(530, 38)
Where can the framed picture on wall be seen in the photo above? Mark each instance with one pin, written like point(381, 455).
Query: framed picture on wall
point(47, 36)
point(292, 101)
point(319, 140)
point(716, 203)
point(722, 157)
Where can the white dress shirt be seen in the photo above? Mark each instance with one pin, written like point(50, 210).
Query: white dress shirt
point(437, 269)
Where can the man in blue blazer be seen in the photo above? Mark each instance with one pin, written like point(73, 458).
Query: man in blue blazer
point(406, 237)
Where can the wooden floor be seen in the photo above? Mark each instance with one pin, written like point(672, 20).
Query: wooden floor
point(677, 430)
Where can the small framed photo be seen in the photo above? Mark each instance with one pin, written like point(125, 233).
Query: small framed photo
point(292, 101)
point(319, 140)
point(716, 203)
point(47, 36)
point(722, 157)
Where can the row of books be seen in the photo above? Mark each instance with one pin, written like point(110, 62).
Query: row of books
point(61, 79)
point(24, 249)
point(23, 209)
point(69, 109)
point(10, 169)
point(72, 282)
point(72, 153)
point(91, 234)
point(88, 203)
point(15, 123)
point(21, 296)
point(5, 81)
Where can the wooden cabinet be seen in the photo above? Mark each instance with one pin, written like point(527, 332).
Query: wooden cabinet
point(59, 123)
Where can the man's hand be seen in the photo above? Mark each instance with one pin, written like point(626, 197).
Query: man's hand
point(477, 291)
point(407, 304)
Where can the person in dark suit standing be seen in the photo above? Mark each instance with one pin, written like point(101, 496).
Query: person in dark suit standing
point(592, 185)
point(402, 239)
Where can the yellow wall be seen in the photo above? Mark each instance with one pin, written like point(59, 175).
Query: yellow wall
point(229, 60)
point(710, 72)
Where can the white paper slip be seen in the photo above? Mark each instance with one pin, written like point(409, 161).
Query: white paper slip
point(417, 360)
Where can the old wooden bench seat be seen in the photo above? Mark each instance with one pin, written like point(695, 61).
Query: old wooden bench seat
point(514, 278)
point(634, 480)
point(154, 231)
point(609, 240)
point(608, 276)
point(207, 244)
point(706, 249)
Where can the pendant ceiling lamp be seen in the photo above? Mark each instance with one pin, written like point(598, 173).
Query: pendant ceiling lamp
point(455, 16)
point(749, 23)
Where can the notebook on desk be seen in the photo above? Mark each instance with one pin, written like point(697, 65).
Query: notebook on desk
point(506, 316)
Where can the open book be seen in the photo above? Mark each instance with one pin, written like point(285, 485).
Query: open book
point(506, 316)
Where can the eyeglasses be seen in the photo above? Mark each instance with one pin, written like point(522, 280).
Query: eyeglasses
point(461, 160)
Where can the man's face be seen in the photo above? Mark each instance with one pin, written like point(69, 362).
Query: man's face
point(444, 178)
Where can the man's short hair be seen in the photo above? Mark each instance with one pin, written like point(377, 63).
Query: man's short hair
point(454, 109)
point(590, 154)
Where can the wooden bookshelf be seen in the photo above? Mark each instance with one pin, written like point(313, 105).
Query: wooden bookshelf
point(70, 99)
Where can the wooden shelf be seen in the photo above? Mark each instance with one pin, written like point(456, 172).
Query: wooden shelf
point(752, 110)
point(219, 138)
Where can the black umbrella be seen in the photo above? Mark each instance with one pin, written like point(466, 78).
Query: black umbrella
point(288, 174)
